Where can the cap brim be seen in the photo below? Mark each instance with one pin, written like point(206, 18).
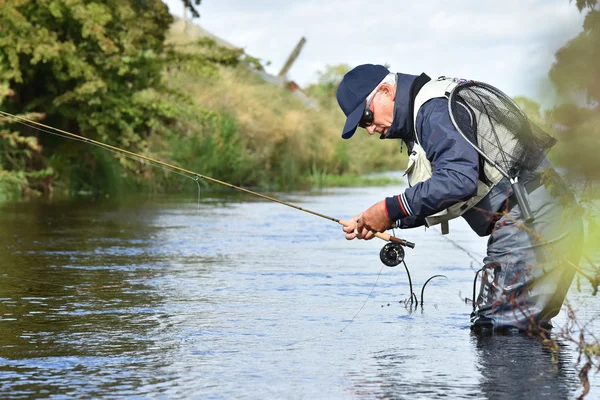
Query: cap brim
point(352, 121)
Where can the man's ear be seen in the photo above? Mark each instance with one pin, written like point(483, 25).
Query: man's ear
point(388, 90)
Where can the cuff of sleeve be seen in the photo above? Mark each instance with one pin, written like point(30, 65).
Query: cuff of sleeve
point(397, 207)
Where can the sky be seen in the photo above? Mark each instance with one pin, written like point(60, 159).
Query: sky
point(509, 44)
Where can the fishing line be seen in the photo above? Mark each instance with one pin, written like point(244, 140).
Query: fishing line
point(192, 175)
point(83, 140)
point(460, 247)
point(478, 261)
point(31, 124)
point(352, 320)
point(132, 156)
point(198, 208)
point(413, 296)
point(367, 299)
point(101, 147)
point(77, 287)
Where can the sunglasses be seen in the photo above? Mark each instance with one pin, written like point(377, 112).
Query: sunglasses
point(367, 118)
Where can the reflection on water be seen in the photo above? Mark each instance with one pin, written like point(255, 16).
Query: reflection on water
point(234, 298)
point(511, 358)
point(61, 331)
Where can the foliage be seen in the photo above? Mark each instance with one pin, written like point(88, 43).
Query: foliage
point(576, 122)
point(107, 70)
point(577, 78)
point(17, 153)
point(589, 4)
point(322, 179)
point(284, 141)
point(327, 82)
point(577, 119)
point(83, 64)
point(95, 68)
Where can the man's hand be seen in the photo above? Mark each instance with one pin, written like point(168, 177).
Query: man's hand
point(365, 225)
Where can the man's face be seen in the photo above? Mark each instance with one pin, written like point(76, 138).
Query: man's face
point(382, 107)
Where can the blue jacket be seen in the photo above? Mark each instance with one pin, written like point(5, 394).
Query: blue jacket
point(455, 165)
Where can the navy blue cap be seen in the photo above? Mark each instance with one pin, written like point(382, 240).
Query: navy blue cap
point(353, 92)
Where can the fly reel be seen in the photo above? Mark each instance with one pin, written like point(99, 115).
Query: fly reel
point(392, 254)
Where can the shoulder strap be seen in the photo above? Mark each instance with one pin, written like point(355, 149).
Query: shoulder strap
point(441, 87)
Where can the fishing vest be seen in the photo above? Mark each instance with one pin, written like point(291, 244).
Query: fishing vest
point(419, 168)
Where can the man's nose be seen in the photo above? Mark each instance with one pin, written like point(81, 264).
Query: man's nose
point(371, 129)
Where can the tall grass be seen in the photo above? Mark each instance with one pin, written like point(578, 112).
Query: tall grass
point(261, 134)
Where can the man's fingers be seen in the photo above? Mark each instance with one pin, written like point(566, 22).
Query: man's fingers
point(370, 235)
point(356, 229)
point(359, 223)
point(362, 233)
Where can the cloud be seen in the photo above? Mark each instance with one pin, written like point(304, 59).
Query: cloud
point(510, 44)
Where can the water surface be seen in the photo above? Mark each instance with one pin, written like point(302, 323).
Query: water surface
point(237, 298)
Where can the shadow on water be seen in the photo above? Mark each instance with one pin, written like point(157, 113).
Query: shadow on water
point(511, 366)
point(516, 366)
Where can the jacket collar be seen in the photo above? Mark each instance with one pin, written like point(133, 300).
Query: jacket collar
point(407, 87)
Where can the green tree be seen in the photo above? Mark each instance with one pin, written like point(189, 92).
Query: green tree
point(84, 67)
point(576, 76)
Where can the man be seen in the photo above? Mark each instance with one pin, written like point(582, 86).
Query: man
point(529, 267)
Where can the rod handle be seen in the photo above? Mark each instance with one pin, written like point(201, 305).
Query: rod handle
point(522, 199)
point(385, 236)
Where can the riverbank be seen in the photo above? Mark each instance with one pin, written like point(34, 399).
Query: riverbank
point(180, 99)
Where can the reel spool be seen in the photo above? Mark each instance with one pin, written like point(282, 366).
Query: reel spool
point(392, 254)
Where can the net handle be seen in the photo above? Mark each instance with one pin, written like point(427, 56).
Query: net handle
point(523, 200)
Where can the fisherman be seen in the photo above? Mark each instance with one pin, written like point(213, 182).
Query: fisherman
point(529, 267)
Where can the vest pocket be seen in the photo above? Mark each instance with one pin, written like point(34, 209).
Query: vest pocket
point(419, 167)
point(411, 163)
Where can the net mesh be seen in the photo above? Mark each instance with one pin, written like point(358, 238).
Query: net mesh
point(498, 127)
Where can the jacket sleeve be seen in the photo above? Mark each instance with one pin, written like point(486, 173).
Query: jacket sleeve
point(410, 222)
point(455, 165)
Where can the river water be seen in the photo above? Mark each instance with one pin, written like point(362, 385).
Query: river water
point(231, 297)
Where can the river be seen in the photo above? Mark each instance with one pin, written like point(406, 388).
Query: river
point(233, 297)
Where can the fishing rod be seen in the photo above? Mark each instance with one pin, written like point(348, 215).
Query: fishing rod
point(393, 253)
